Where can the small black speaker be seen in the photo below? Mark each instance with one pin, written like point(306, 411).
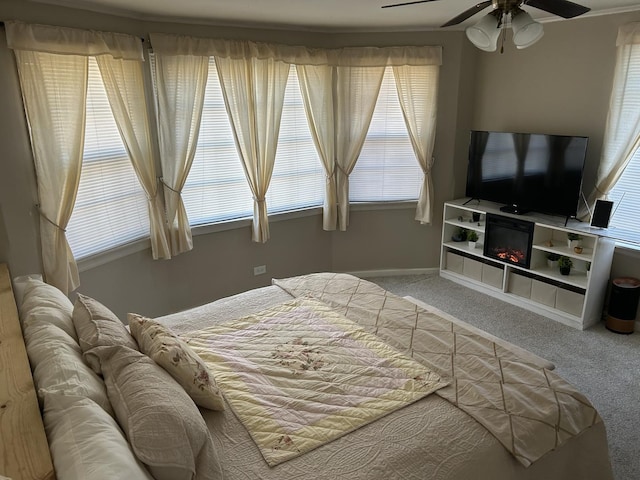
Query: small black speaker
point(601, 213)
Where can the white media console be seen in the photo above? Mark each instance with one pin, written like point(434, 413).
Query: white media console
point(576, 299)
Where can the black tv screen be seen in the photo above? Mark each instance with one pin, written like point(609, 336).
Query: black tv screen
point(527, 171)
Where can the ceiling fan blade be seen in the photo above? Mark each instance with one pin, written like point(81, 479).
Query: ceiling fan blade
point(467, 13)
point(407, 3)
point(562, 8)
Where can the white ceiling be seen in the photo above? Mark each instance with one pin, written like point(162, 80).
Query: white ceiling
point(317, 15)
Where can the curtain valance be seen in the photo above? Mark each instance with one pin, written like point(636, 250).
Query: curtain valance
point(386, 56)
point(170, 44)
point(629, 34)
point(72, 41)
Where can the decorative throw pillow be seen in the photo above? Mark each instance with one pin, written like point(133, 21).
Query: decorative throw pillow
point(98, 326)
point(177, 358)
point(164, 427)
point(85, 442)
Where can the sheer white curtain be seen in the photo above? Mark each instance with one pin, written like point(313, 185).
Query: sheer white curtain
point(253, 92)
point(417, 87)
point(124, 84)
point(315, 81)
point(54, 89)
point(339, 122)
point(622, 133)
point(356, 93)
point(180, 81)
point(339, 87)
point(52, 65)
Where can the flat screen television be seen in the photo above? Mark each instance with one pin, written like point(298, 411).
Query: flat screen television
point(527, 171)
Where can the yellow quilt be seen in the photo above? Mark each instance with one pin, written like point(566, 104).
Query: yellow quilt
point(300, 375)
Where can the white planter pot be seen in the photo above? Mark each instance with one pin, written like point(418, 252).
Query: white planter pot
point(552, 263)
point(472, 245)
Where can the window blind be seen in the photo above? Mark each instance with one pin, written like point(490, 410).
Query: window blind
point(387, 169)
point(111, 207)
point(298, 176)
point(626, 197)
point(216, 188)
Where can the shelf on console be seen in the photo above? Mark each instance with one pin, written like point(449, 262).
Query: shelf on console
point(586, 255)
point(464, 247)
point(576, 278)
point(468, 225)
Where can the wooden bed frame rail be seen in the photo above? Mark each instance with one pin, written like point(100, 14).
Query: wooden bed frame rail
point(24, 451)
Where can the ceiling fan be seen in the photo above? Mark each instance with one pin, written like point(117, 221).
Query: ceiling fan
point(526, 31)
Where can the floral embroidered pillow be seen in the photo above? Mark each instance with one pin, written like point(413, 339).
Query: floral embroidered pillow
point(178, 359)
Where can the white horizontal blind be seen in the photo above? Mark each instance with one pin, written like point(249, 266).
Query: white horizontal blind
point(111, 207)
point(387, 169)
point(626, 192)
point(298, 176)
point(625, 220)
point(216, 188)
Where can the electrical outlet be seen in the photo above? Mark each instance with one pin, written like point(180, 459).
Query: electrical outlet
point(259, 270)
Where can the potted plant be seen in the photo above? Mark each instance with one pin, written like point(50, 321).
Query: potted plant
point(565, 264)
point(574, 240)
point(472, 238)
point(552, 260)
point(460, 235)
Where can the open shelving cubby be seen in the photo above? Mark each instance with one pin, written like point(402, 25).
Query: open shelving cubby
point(575, 299)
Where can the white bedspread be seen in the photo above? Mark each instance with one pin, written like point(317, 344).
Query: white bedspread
point(529, 409)
point(429, 439)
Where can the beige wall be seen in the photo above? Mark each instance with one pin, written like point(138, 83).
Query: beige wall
point(220, 264)
point(18, 222)
point(561, 85)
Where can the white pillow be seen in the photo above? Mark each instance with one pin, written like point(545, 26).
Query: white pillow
point(163, 425)
point(19, 284)
point(97, 326)
point(86, 443)
point(43, 303)
point(58, 366)
point(178, 359)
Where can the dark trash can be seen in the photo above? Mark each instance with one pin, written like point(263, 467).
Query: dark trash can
point(623, 305)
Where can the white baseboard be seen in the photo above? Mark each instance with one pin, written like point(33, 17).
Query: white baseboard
point(394, 272)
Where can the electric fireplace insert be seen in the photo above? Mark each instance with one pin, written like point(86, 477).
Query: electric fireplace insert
point(508, 240)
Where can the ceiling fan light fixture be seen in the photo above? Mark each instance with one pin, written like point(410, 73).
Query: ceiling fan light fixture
point(485, 33)
point(526, 31)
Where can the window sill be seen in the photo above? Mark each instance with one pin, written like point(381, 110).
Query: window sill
point(628, 249)
point(93, 261)
point(108, 256)
point(246, 222)
point(365, 206)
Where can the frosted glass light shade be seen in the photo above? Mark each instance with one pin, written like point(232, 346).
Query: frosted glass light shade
point(526, 31)
point(485, 33)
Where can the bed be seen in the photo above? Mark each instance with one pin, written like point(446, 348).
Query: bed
point(398, 389)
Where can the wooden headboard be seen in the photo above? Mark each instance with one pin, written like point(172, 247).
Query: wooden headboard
point(24, 451)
